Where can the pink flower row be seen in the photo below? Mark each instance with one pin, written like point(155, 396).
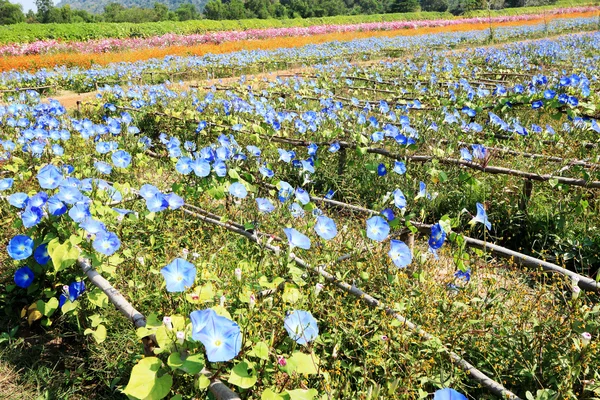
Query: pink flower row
point(113, 44)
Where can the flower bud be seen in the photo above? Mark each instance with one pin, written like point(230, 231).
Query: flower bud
point(281, 361)
point(586, 337)
point(141, 261)
point(252, 301)
point(576, 292)
point(318, 288)
point(180, 337)
point(167, 322)
point(222, 301)
point(184, 253)
point(238, 274)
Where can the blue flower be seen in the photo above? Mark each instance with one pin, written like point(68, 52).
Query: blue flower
point(79, 212)
point(71, 292)
point(31, 216)
point(264, 205)
point(220, 169)
point(255, 151)
point(399, 167)
point(157, 202)
point(24, 277)
point(56, 207)
point(297, 239)
point(464, 275)
point(20, 247)
point(69, 195)
point(296, 210)
point(302, 196)
point(438, 236)
point(121, 159)
point(481, 217)
point(184, 166)
point(49, 177)
point(335, 146)
point(448, 394)
point(286, 156)
point(179, 275)
point(175, 201)
point(238, 190)
point(301, 326)
point(103, 167)
point(377, 228)
point(106, 243)
point(41, 255)
point(388, 214)
point(220, 336)
point(400, 253)
point(423, 192)
point(325, 228)
point(312, 149)
point(285, 191)
point(537, 104)
point(381, 170)
point(6, 184)
point(18, 200)
point(465, 154)
point(399, 199)
point(549, 94)
point(266, 172)
point(329, 194)
point(92, 226)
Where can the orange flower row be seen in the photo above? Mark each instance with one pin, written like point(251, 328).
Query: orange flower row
point(35, 62)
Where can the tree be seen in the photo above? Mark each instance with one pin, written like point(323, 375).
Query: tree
point(10, 13)
point(214, 9)
point(111, 11)
point(44, 7)
point(404, 6)
point(161, 11)
point(434, 5)
point(187, 11)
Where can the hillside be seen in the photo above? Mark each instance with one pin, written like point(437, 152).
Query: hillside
point(97, 6)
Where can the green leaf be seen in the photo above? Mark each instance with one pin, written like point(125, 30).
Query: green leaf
point(68, 306)
point(99, 334)
point(303, 363)
point(268, 394)
point(203, 382)
point(301, 394)
point(260, 350)
point(164, 338)
point(47, 308)
point(291, 294)
point(144, 382)
point(191, 364)
point(96, 320)
point(242, 376)
point(98, 298)
point(62, 255)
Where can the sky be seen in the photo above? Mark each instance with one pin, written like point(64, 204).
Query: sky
point(27, 4)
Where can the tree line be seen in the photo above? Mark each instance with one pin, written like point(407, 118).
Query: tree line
point(11, 13)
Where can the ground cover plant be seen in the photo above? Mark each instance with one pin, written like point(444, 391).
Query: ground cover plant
point(415, 227)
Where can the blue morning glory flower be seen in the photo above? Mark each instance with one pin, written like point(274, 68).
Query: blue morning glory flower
point(106, 243)
point(18, 200)
point(69, 195)
point(255, 151)
point(24, 277)
point(297, 239)
point(381, 170)
point(121, 159)
point(573, 102)
point(79, 212)
point(309, 166)
point(31, 216)
point(157, 203)
point(220, 336)
point(302, 196)
point(286, 156)
point(184, 166)
point(325, 228)
point(202, 167)
point(335, 146)
point(329, 194)
point(41, 255)
point(563, 98)
point(438, 236)
point(388, 214)
point(175, 201)
point(464, 275)
point(6, 183)
point(238, 190)
point(20, 247)
point(481, 217)
point(423, 191)
point(49, 177)
point(179, 275)
point(549, 94)
point(377, 228)
point(537, 104)
point(448, 394)
point(296, 210)
point(465, 154)
point(103, 167)
point(479, 151)
point(38, 200)
point(56, 207)
point(71, 292)
point(399, 167)
point(399, 199)
point(92, 226)
point(285, 191)
point(312, 149)
point(301, 326)
point(400, 253)
point(264, 205)
point(220, 168)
